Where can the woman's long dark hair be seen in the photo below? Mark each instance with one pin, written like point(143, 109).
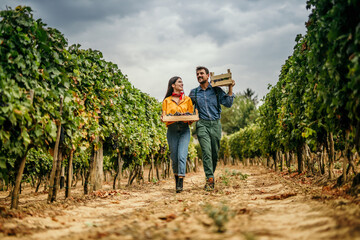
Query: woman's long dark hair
point(170, 89)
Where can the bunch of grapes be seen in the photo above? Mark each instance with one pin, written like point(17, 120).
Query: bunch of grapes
point(114, 141)
point(180, 114)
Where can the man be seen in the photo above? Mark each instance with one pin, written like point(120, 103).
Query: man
point(207, 100)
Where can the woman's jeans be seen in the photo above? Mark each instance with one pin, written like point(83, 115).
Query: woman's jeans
point(178, 137)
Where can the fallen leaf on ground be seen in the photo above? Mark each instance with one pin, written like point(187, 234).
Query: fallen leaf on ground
point(280, 197)
point(243, 211)
point(169, 217)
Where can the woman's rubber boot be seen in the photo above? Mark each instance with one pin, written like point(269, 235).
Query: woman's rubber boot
point(179, 187)
point(176, 181)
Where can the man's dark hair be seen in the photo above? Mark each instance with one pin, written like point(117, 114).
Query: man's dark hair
point(201, 68)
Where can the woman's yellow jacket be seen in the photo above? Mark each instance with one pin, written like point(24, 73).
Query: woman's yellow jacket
point(169, 106)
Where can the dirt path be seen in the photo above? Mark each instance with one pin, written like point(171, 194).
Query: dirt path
point(262, 206)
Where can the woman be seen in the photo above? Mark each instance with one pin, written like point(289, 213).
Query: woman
point(178, 133)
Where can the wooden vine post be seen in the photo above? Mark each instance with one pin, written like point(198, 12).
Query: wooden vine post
point(15, 192)
point(152, 168)
point(346, 157)
point(87, 172)
point(96, 169)
point(300, 158)
point(20, 162)
point(331, 156)
point(56, 161)
point(120, 165)
point(69, 175)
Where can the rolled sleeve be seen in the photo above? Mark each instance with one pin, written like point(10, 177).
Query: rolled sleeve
point(226, 100)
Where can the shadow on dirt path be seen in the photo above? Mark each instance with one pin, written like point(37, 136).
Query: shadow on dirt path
point(247, 203)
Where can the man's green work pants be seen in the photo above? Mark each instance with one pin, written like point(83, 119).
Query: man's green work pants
point(209, 136)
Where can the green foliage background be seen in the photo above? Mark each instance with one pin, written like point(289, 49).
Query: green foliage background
point(318, 88)
point(100, 106)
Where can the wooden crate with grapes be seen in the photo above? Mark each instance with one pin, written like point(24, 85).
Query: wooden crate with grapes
point(181, 117)
point(221, 80)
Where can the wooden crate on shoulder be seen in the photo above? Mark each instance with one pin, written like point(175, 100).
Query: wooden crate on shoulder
point(221, 80)
point(182, 118)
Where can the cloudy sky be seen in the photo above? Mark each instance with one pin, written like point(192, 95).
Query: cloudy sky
point(153, 40)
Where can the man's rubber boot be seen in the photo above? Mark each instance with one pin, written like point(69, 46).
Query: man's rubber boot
point(210, 184)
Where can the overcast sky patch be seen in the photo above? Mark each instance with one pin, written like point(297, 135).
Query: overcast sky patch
point(153, 40)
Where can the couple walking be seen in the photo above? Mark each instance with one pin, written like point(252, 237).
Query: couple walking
point(207, 100)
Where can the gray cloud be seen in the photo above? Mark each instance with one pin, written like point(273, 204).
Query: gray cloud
point(73, 16)
point(151, 41)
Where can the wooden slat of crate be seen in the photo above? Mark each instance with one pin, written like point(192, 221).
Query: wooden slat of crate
point(184, 118)
point(221, 79)
point(225, 82)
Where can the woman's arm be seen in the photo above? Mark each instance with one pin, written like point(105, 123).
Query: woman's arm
point(190, 106)
point(164, 107)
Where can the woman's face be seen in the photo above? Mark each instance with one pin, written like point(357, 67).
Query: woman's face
point(178, 86)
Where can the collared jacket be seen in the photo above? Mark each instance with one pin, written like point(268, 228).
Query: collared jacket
point(169, 106)
point(207, 101)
